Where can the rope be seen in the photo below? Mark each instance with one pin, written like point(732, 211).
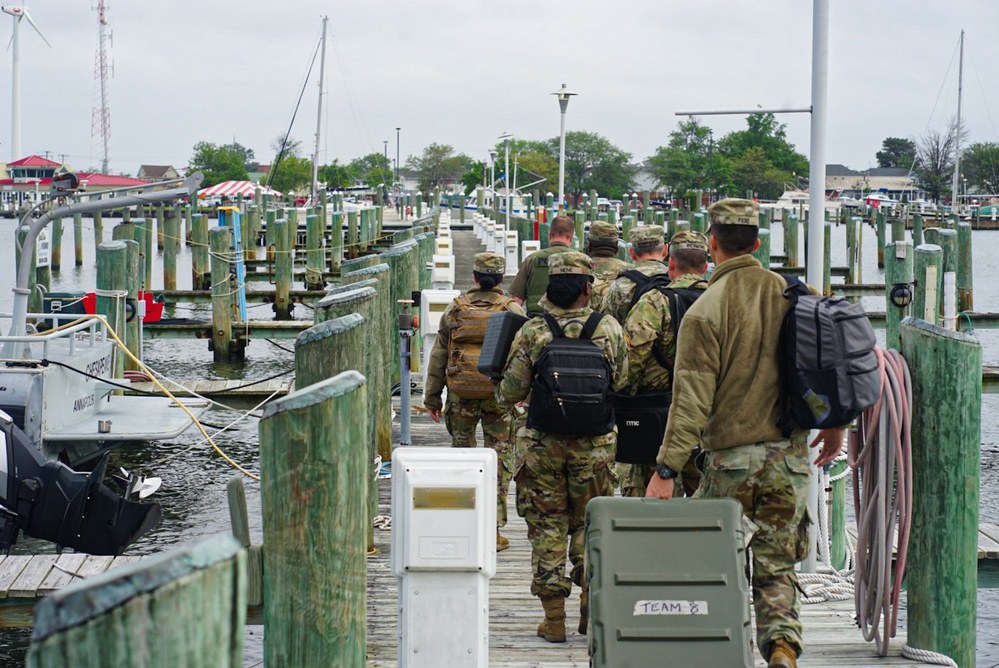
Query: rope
point(926, 656)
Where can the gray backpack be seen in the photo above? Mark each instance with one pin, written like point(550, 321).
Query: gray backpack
point(828, 369)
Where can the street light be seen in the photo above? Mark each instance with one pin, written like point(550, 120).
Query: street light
point(397, 154)
point(506, 174)
point(385, 166)
point(492, 172)
point(563, 95)
point(711, 165)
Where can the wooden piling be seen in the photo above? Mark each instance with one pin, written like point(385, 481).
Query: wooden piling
point(171, 246)
point(186, 234)
point(837, 523)
point(698, 222)
point(852, 224)
point(112, 281)
point(336, 241)
point(898, 271)
point(282, 269)
point(314, 490)
point(160, 217)
point(928, 277)
point(880, 226)
point(127, 232)
point(313, 253)
point(183, 607)
point(353, 234)
point(917, 230)
point(931, 235)
point(223, 346)
point(200, 267)
point(580, 221)
point(827, 260)
point(55, 256)
point(942, 573)
point(147, 253)
point(402, 261)
point(948, 241)
point(271, 216)
point(763, 252)
point(965, 286)
point(627, 225)
point(790, 222)
point(78, 239)
point(897, 228)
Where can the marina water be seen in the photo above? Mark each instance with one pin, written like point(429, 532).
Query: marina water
point(193, 494)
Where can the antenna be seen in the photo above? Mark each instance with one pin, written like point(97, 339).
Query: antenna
point(100, 121)
point(15, 80)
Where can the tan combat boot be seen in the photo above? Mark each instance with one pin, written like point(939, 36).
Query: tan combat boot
point(553, 628)
point(783, 655)
point(584, 612)
point(501, 542)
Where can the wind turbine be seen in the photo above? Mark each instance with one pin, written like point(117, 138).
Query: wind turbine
point(15, 80)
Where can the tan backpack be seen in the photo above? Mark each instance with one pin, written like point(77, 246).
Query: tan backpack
point(469, 321)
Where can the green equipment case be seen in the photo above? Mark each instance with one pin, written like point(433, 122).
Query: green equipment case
point(667, 583)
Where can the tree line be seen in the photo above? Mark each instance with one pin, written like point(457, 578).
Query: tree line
point(758, 159)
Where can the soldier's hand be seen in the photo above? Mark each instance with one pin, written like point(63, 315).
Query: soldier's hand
point(832, 443)
point(659, 488)
point(435, 415)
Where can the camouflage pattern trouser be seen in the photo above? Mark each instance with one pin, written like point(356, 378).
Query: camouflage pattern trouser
point(635, 478)
point(559, 476)
point(770, 480)
point(462, 415)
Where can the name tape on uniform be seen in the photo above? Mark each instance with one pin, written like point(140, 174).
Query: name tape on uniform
point(670, 608)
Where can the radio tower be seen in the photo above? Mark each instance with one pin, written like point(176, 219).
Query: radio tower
point(100, 125)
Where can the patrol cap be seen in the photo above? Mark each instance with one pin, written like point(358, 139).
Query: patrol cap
point(688, 240)
point(489, 263)
point(734, 211)
point(601, 230)
point(570, 262)
point(647, 236)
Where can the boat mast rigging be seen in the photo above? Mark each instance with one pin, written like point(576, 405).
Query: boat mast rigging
point(313, 195)
point(957, 129)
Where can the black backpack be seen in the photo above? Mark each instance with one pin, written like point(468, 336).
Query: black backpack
point(827, 366)
point(679, 300)
point(572, 384)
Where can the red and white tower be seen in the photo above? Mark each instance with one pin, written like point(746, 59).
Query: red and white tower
point(100, 125)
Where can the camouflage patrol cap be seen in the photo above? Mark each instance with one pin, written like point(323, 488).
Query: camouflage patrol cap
point(570, 262)
point(734, 211)
point(688, 240)
point(601, 230)
point(489, 263)
point(647, 236)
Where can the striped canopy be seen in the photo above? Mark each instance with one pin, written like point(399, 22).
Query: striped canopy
point(233, 188)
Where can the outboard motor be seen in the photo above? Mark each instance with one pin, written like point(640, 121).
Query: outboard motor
point(51, 501)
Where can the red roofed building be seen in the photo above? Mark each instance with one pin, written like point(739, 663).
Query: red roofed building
point(25, 182)
point(98, 181)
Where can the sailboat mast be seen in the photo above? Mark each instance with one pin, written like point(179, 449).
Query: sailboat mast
point(957, 128)
point(314, 197)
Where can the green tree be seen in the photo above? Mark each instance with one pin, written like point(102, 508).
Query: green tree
point(897, 152)
point(249, 160)
point(753, 171)
point(536, 161)
point(293, 174)
point(764, 132)
point(593, 163)
point(373, 169)
point(335, 175)
point(935, 161)
point(217, 163)
point(688, 161)
point(438, 166)
point(475, 175)
point(980, 165)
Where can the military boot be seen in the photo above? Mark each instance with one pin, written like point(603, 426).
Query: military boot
point(584, 612)
point(783, 655)
point(553, 628)
point(501, 542)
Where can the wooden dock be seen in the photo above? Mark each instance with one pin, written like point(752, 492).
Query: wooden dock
point(235, 393)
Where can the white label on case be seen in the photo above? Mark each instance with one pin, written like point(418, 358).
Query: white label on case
point(670, 608)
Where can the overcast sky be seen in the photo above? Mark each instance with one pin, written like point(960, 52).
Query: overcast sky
point(464, 72)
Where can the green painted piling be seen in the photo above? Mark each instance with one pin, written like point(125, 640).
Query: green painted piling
point(359, 263)
point(766, 218)
point(282, 269)
point(897, 228)
point(898, 271)
point(645, 206)
point(827, 260)
point(98, 218)
point(543, 229)
point(698, 222)
point(113, 279)
point(880, 226)
point(837, 550)
point(402, 260)
point(200, 267)
point(353, 234)
point(126, 215)
point(763, 252)
point(791, 229)
point(965, 286)
point(147, 252)
point(928, 277)
point(160, 216)
point(271, 216)
point(336, 241)
point(580, 220)
point(223, 346)
point(128, 233)
point(852, 224)
point(171, 244)
point(931, 235)
point(55, 258)
point(917, 230)
point(313, 253)
point(78, 239)
point(682, 226)
point(182, 607)
point(627, 225)
point(425, 242)
point(189, 211)
point(942, 572)
point(314, 490)
point(947, 240)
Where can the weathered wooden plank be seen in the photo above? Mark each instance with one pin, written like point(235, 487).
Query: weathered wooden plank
point(10, 569)
point(94, 565)
point(27, 583)
point(988, 541)
point(63, 573)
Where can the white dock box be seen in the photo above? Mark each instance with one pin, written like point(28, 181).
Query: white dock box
point(499, 240)
point(528, 247)
point(433, 303)
point(442, 272)
point(443, 246)
point(512, 263)
point(443, 552)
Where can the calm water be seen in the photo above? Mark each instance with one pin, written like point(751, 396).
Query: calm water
point(193, 494)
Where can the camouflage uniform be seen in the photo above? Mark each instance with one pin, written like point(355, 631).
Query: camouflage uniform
point(725, 398)
point(605, 267)
point(462, 415)
point(618, 299)
point(532, 278)
point(559, 474)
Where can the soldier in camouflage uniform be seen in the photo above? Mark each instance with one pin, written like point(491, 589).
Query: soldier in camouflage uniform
point(601, 246)
point(560, 473)
point(647, 250)
point(453, 363)
point(725, 398)
point(649, 326)
point(528, 286)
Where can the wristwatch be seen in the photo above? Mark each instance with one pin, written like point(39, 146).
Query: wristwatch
point(665, 472)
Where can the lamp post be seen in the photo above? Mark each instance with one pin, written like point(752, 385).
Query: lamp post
point(492, 172)
point(397, 154)
point(506, 174)
point(711, 166)
point(385, 166)
point(563, 95)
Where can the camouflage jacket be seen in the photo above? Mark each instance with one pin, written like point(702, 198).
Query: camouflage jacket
point(518, 375)
point(605, 270)
point(648, 326)
point(619, 295)
point(437, 368)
